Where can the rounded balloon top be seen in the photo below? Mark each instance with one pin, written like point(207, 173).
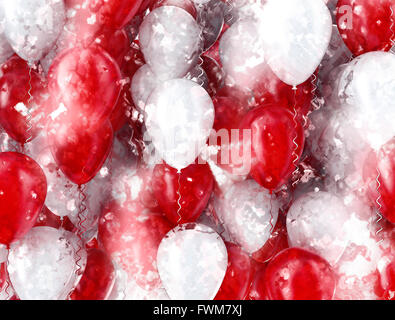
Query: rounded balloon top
point(170, 48)
point(180, 115)
point(32, 26)
point(296, 34)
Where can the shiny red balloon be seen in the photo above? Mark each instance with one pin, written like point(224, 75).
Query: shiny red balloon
point(277, 242)
point(271, 89)
point(23, 188)
point(21, 114)
point(381, 166)
point(114, 14)
point(238, 275)
point(258, 290)
point(229, 113)
point(98, 278)
point(123, 109)
point(297, 274)
point(277, 141)
point(85, 85)
point(366, 25)
point(131, 234)
point(116, 43)
point(215, 75)
point(190, 190)
point(79, 153)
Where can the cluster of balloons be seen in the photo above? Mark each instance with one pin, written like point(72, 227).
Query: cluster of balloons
point(197, 149)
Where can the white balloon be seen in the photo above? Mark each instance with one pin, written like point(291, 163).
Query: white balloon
point(143, 83)
point(32, 26)
point(43, 265)
point(316, 221)
point(5, 48)
point(192, 262)
point(169, 39)
point(62, 194)
point(179, 117)
point(296, 34)
point(367, 89)
point(242, 54)
point(248, 213)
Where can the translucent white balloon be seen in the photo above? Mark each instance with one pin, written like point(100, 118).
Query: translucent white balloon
point(192, 262)
point(179, 117)
point(143, 83)
point(32, 26)
point(126, 288)
point(97, 193)
point(62, 194)
point(5, 48)
point(170, 38)
point(248, 213)
point(242, 54)
point(43, 265)
point(296, 34)
point(316, 221)
point(367, 89)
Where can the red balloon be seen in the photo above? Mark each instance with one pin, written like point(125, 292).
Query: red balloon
point(23, 188)
point(257, 290)
point(116, 43)
point(47, 219)
point(86, 83)
point(123, 106)
point(131, 234)
point(3, 277)
point(384, 192)
point(195, 186)
point(238, 275)
point(277, 242)
point(114, 14)
point(274, 153)
point(215, 75)
point(272, 90)
point(145, 5)
point(131, 62)
point(98, 278)
point(79, 153)
point(369, 27)
point(22, 123)
point(297, 274)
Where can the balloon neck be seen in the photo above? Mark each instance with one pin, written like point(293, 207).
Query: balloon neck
point(294, 88)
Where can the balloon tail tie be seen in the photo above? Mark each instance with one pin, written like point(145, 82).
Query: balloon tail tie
point(179, 197)
point(295, 151)
point(81, 227)
point(379, 206)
